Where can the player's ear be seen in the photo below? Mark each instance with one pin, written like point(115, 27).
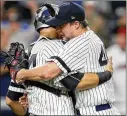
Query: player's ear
point(76, 25)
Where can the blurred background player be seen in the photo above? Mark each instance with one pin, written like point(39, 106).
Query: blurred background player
point(118, 52)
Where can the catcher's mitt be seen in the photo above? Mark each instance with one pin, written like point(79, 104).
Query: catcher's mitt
point(15, 59)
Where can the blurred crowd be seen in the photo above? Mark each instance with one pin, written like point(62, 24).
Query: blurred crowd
point(106, 18)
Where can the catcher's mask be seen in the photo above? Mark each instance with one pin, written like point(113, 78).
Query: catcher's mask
point(45, 12)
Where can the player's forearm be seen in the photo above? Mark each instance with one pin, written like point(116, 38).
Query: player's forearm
point(31, 74)
point(83, 81)
point(16, 107)
point(89, 80)
point(45, 72)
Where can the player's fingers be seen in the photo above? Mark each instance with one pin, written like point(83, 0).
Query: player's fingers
point(26, 106)
point(21, 101)
point(109, 66)
point(23, 98)
point(110, 60)
point(24, 103)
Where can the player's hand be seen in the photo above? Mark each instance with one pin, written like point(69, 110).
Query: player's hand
point(109, 66)
point(24, 101)
point(19, 76)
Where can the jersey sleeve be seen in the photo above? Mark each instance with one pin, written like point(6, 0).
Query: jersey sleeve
point(15, 91)
point(73, 56)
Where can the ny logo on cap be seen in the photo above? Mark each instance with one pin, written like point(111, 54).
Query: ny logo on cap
point(72, 17)
point(57, 10)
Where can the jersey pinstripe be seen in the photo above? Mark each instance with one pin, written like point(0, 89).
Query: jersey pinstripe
point(42, 102)
point(86, 53)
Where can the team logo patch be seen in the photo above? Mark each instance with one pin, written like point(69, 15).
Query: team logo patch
point(57, 10)
point(72, 17)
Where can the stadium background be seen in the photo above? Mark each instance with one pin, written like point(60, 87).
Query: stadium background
point(106, 18)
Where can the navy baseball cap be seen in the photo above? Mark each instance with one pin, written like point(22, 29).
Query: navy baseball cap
point(68, 12)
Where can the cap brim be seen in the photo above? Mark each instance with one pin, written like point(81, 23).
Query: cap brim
point(55, 22)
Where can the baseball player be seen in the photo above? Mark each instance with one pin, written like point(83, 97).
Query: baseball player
point(38, 96)
point(38, 105)
point(84, 52)
point(40, 108)
point(96, 101)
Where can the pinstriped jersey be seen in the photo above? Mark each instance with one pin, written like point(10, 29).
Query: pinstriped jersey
point(86, 53)
point(43, 50)
point(20, 88)
point(42, 102)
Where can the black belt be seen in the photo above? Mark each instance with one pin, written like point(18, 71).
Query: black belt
point(55, 91)
point(103, 107)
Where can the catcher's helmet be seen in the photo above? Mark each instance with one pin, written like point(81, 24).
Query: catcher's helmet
point(45, 12)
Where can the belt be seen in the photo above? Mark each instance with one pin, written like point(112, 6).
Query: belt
point(103, 107)
point(50, 89)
